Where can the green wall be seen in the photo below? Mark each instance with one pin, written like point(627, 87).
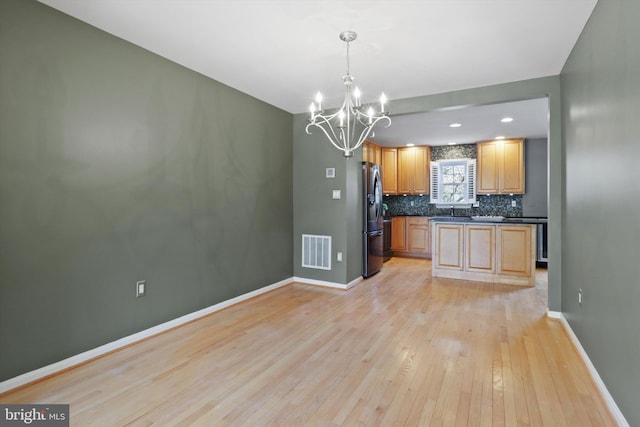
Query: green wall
point(601, 242)
point(117, 165)
point(314, 211)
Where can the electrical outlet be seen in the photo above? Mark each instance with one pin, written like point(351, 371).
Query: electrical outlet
point(141, 288)
point(513, 203)
point(580, 296)
point(339, 257)
point(412, 204)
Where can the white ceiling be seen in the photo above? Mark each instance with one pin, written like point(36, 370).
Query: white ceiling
point(284, 51)
point(478, 123)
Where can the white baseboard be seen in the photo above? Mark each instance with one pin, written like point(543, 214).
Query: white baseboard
point(334, 285)
point(53, 368)
point(613, 407)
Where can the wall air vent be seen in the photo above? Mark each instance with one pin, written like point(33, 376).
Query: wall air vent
point(316, 251)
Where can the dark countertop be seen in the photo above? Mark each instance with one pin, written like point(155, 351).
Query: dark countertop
point(490, 220)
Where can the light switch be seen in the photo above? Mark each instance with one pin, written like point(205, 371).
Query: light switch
point(336, 194)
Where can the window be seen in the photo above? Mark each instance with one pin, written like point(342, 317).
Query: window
point(453, 182)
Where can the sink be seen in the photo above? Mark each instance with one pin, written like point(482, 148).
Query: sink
point(451, 218)
point(492, 218)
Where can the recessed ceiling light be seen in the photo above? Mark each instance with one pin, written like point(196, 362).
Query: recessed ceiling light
point(455, 125)
point(506, 119)
point(410, 145)
point(500, 137)
point(451, 143)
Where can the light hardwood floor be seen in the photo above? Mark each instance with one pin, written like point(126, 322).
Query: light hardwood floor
point(397, 349)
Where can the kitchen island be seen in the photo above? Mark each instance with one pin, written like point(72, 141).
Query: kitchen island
point(486, 249)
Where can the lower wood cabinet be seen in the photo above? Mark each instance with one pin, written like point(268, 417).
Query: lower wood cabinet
point(516, 248)
point(411, 236)
point(448, 243)
point(418, 235)
point(485, 252)
point(480, 253)
point(398, 233)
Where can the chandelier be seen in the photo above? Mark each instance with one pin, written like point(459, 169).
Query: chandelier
point(348, 127)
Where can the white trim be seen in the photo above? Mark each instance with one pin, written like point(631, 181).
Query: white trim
point(67, 363)
point(334, 285)
point(554, 314)
point(613, 407)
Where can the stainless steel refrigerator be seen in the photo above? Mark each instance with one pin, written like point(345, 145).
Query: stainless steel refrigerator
point(373, 223)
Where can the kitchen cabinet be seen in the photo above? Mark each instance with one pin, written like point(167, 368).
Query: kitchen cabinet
point(501, 167)
point(418, 235)
point(371, 153)
point(389, 170)
point(480, 253)
point(516, 248)
point(413, 167)
point(398, 233)
point(448, 247)
point(484, 252)
point(411, 236)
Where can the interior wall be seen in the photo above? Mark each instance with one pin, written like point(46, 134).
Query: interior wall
point(534, 201)
point(601, 103)
point(316, 212)
point(117, 165)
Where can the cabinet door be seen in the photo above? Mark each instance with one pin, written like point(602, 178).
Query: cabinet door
point(405, 170)
point(501, 167)
point(389, 171)
point(422, 158)
point(516, 252)
point(487, 180)
point(480, 248)
point(512, 173)
point(365, 152)
point(377, 150)
point(398, 233)
point(418, 235)
point(448, 253)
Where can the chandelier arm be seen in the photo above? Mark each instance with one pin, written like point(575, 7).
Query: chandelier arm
point(327, 135)
point(331, 137)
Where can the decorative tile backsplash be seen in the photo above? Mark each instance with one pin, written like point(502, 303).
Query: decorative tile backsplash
point(489, 205)
point(419, 205)
point(450, 152)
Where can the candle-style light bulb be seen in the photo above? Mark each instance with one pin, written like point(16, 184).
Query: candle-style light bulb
point(319, 101)
point(341, 117)
point(312, 108)
point(370, 114)
point(356, 95)
point(383, 100)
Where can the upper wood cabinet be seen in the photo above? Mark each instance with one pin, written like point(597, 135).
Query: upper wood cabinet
point(501, 167)
point(371, 153)
point(413, 168)
point(389, 170)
